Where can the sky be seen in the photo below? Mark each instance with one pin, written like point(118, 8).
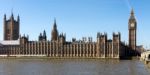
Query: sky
point(79, 18)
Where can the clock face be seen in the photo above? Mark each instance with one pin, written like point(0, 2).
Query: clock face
point(132, 24)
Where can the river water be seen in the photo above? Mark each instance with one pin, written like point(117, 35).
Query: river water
point(72, 67)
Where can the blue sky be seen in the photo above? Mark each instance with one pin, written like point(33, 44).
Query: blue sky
point(79, 18)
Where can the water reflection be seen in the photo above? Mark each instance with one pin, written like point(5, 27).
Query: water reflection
point(72, 67)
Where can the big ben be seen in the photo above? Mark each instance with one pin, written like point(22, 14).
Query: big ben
point(132, 26)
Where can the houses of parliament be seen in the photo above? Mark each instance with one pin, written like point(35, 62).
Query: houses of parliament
point(16, 45)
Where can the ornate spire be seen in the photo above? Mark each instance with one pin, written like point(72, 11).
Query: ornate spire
point(40, 37)
point(54, 33)
point(44, 33)
point(132, 14)
point(18, 18)
point(12, 16)
point(55, 25)
point(27, 36)
point(4, 16)
point(40, 34)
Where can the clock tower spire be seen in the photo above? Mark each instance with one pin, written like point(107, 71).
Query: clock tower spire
point(132, 26)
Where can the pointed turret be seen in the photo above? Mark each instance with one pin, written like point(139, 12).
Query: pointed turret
point(132, 17)
point(12, 17)
point(18, 18)
point(40, 37)
point(40, 34)
point(132, 11)
point(4, 17)
point(54, 34)
point(44, 35)
point(27, 36)
point(55, 25)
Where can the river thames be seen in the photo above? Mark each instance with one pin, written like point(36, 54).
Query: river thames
point(72, 67)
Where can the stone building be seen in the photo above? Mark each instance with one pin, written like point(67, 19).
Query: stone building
point(59, 47)
point(11, 28)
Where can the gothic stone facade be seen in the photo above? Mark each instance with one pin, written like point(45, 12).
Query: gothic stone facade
point(11, 28)
point(103, 48)
point(59, 47)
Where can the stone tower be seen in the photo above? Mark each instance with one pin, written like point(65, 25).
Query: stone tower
point(132, 26)
point(11, 28)
point(43, 37)
point(54, 33)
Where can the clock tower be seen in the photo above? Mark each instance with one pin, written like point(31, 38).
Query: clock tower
point(132, 26)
